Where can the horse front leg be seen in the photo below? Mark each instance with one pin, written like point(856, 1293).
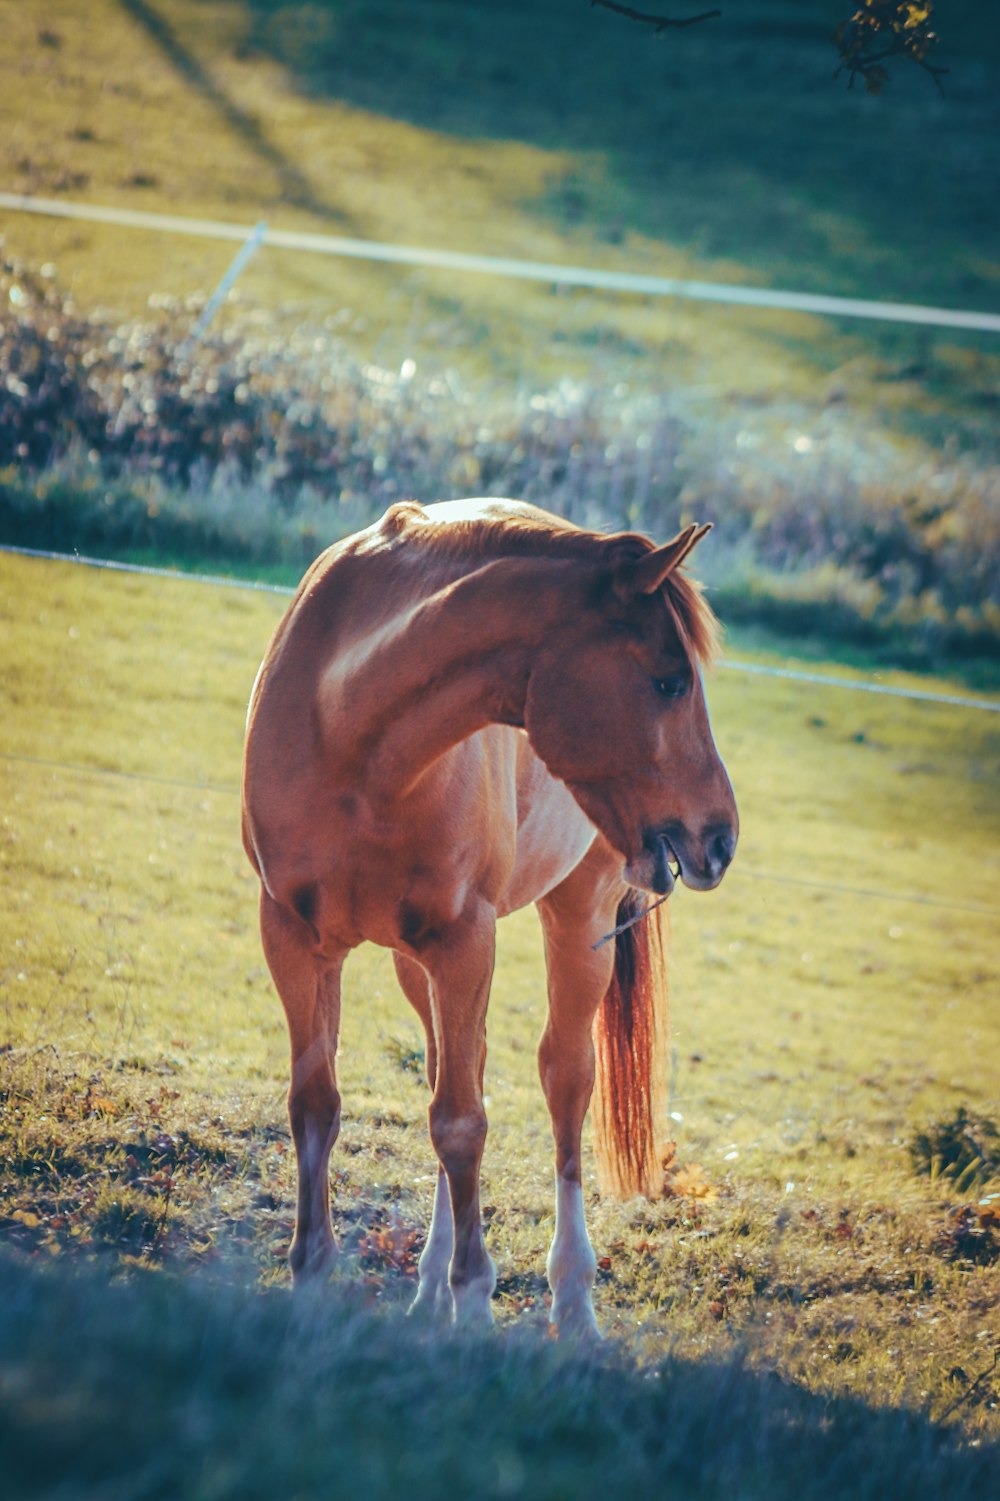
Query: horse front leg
point(460, 967)
point(578, 978)
point(309, 987)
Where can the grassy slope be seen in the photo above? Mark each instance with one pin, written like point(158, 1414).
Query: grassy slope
point(565, 134)
point(727, 151)
point(358, 1405)
point(814, 1031)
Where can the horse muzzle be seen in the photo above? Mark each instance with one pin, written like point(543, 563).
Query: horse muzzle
point(671, 852)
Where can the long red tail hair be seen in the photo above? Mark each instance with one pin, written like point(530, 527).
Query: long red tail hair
point(630, 1041)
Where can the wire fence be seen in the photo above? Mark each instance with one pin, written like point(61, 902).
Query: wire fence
point(836, 888)
point(754, 669)
point(550, 273)
point(751, 668)
point(253, 237)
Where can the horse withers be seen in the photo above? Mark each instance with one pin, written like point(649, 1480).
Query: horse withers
point(469, 707)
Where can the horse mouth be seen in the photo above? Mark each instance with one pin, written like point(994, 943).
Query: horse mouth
point(657, 868)
point(666, 866)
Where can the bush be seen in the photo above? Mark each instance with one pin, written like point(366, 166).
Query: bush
point(261, 448)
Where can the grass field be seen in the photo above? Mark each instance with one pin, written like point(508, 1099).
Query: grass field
point(851, 468)
point(805, 1287)
point(567, 134)
point(812, 1311)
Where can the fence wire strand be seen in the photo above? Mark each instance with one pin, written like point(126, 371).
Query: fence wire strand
point(753, 669)
point(831, 887)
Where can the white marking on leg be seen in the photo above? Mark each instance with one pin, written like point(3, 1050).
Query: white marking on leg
point(433, 1292)
point(474, 1300)
point(458, 1142)
point(572, 1265)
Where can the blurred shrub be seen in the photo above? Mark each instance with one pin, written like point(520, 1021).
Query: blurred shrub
point(262, 447)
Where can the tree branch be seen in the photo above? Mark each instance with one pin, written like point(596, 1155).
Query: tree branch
point(876, 31)
point(882, 29)
point(866, 65)
point(658, 23)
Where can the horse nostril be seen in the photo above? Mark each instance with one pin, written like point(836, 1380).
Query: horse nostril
point(721, 847)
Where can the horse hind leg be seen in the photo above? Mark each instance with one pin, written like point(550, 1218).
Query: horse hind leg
point(433, 1297)
point(309, 987)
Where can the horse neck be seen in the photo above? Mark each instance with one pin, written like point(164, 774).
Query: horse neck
point(444, 668)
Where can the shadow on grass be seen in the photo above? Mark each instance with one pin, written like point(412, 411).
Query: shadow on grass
point(203, 1387)
point(295, 186)
point(730, 138)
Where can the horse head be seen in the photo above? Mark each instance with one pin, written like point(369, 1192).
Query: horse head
point(616, 709)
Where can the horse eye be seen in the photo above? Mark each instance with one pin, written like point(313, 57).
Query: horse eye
point(672, 687)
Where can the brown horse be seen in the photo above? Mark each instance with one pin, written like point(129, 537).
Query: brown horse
point(468, 708)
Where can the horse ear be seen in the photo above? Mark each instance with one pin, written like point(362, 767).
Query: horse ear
point(645, 574)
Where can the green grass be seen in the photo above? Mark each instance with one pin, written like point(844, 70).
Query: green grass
point(810, 1313)
point(806, 1291)
point(262, 1398)
point(567, 134)
point(355, 1403)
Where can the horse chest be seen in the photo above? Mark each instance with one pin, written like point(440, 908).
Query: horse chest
point(491, 825)
point(403, 878)
point(552, 839)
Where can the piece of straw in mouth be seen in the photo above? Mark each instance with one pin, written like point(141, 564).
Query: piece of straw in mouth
point(636, 917)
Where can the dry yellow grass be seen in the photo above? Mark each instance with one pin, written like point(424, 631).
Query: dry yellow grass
point(821, 1014)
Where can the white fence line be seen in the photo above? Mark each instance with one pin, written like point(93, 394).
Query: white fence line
point(539, 271)
point(753, 669)
point(885, 690)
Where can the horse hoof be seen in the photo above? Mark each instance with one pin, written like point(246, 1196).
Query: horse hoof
point(310, 1265)
point(431, 1307)
point(474, 1311)
point(578, 1325)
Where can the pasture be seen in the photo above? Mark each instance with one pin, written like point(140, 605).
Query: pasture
point(804, 1291)
point(729, 153)
point(811, 1308)
point(850, 466)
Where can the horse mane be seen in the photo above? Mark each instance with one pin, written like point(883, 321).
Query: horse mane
point(528, 536)
point(696, 621)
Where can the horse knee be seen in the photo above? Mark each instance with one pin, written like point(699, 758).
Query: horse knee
point(458, 1139)
point(314, 1114)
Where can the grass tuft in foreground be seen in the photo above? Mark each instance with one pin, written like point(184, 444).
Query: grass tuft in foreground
point(201, 1388)
point(964, 1148)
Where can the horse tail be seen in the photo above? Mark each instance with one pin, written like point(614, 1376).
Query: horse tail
point(630, 1040)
